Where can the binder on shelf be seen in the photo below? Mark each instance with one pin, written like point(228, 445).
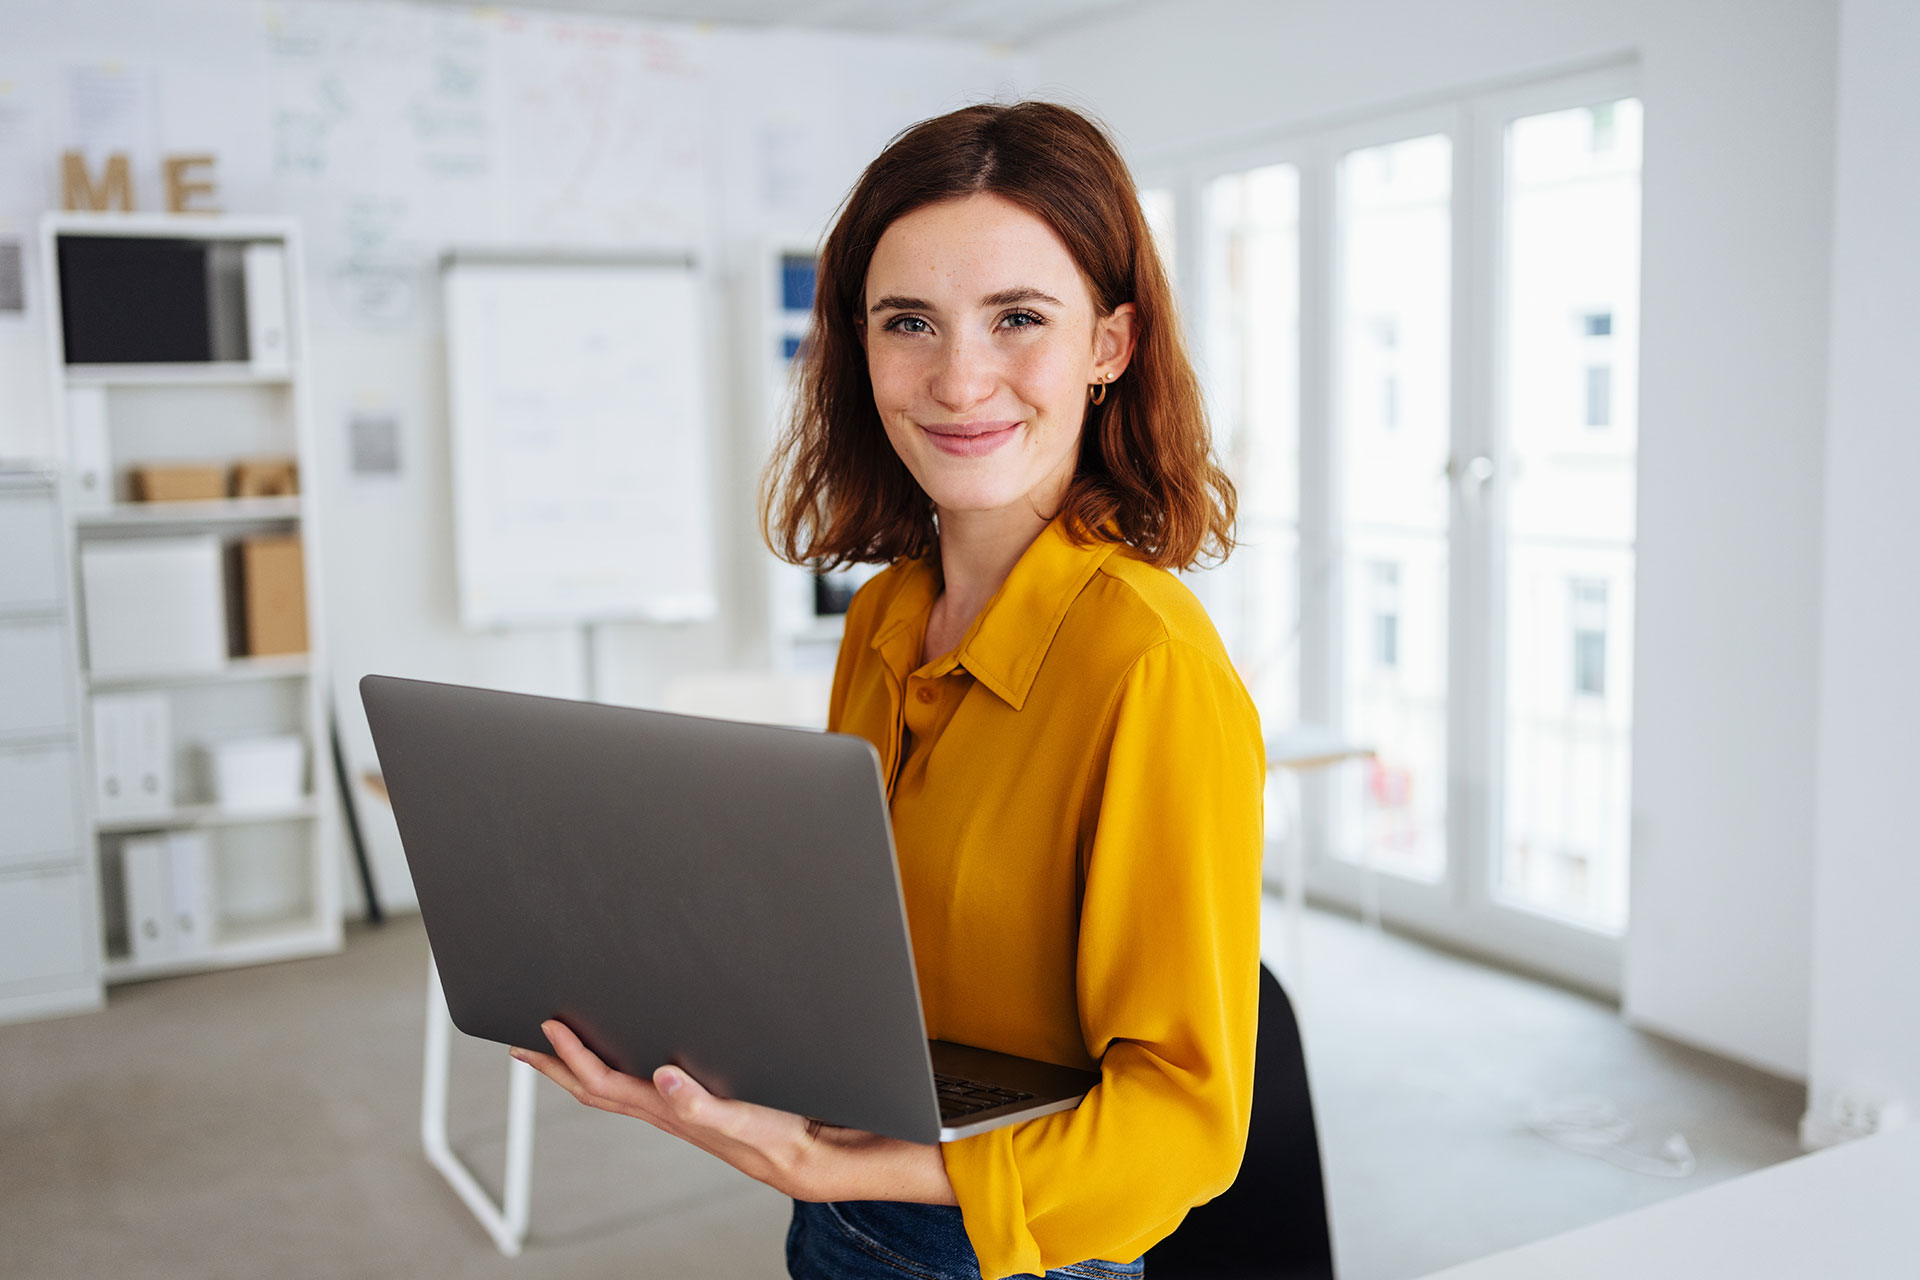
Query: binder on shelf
point(268, 348)
point(149, 890)
point(154, 605)
point(89, 455)
point(189, 895)
point(132, 755)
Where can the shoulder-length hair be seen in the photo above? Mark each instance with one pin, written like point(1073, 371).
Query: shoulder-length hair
point(836, 493)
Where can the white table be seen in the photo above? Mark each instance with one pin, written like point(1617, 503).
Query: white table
point(1850, 1212)
point(505, 1220)
point(797, 701)
point(1292, 752)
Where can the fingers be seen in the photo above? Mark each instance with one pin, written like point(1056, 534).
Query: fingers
point(550, 1067)
point(749, 1136)
point(579, 1071)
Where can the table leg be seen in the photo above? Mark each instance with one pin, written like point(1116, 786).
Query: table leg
point(1292, 878)
point(506, 1224)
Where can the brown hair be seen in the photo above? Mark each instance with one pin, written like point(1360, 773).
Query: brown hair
point(835, 492)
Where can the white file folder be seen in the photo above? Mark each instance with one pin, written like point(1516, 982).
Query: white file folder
point(191, 902)
point(149, 897)
point(269, 349)
point(89, 455)
point(132, 755)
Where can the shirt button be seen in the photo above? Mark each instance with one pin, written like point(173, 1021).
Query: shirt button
point(926, 693)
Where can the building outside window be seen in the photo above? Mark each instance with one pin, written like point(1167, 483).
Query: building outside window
point(1589, 638)
point(1599, 395)
point(1385, 578)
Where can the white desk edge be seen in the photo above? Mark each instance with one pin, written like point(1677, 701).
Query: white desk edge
point(1850, 1212)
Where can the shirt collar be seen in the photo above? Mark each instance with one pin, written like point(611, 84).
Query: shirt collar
point(1004, 646)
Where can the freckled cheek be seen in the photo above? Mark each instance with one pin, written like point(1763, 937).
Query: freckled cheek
point(1049, 380)
point(896, 383)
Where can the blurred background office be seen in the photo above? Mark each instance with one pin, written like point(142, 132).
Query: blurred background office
point(1561, 353)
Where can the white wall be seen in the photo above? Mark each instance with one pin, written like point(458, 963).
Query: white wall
point(1739, 115)
point(1866, 897)
point(783, 122)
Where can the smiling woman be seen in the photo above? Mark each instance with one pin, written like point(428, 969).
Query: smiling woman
point(996, 404)
point(1143, 465)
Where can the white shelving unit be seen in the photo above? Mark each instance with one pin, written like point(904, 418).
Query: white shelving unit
point(49, 920)
point(778, 301)
point(270, 883)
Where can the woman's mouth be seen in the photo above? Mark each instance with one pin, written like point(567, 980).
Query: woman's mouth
point(969, 439)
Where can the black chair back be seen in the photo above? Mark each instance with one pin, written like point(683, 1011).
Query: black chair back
point(1271, 1224)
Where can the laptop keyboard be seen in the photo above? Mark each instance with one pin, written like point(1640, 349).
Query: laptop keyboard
point(959, 1097)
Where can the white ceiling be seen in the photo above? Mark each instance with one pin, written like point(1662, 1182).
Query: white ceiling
point(1010, 22)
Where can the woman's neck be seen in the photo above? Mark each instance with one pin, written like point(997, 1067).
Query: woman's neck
point(977, 552)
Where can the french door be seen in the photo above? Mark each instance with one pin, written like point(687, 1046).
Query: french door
point(1419, 337)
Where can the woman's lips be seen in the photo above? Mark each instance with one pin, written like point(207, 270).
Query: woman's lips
point(969, 439)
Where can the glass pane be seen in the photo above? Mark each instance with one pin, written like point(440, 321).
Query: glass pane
point(1571, 374)
point(1391, 437)
point(1252, 346)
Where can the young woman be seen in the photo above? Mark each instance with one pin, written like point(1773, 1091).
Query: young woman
point(995, 402)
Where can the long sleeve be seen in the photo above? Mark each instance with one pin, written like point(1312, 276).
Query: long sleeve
point(1167, 982)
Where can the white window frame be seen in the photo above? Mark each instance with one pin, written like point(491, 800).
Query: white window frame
point(1461, 910)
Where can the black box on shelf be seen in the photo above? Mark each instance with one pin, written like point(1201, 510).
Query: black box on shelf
point(151, 300)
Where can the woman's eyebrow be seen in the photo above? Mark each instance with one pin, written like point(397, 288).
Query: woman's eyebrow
point(1013, 297)
point(894, 302)
point(1004, 298)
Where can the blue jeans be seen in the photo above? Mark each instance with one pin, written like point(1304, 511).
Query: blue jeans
point(885, 1240)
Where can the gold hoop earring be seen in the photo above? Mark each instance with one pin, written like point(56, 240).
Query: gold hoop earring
point(1097, 393)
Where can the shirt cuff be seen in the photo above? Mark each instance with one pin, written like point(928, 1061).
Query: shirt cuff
point(986, 1182)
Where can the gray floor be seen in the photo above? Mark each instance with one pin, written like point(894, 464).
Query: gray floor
point(264, 1122)
point(1423, 1068)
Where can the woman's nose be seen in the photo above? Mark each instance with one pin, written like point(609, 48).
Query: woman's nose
point(965, 375)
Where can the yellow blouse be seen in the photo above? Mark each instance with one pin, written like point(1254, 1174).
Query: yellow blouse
point(1076, 797)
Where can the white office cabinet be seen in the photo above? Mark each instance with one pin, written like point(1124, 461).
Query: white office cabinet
point(33, 674)
point(49, 936)
point(39, 821)
point(188, 880)
point(44, 934)
point(30, 567)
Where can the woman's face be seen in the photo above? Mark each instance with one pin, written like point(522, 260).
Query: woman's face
point(982, 339)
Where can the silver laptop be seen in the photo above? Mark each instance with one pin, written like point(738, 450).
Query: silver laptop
point(716, 895)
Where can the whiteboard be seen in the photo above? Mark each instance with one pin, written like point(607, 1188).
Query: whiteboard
point(581, 479)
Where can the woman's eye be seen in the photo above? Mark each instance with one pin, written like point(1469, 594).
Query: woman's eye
point(1021, 320)
point(908, 324)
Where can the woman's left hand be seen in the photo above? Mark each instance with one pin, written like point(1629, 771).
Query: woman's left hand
point(798, 1157)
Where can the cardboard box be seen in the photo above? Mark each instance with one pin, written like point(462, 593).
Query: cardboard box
point(266, 478)
point(273, 593)
point(179, 482)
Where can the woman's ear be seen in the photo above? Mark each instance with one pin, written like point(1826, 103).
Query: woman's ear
point(1114, 335)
